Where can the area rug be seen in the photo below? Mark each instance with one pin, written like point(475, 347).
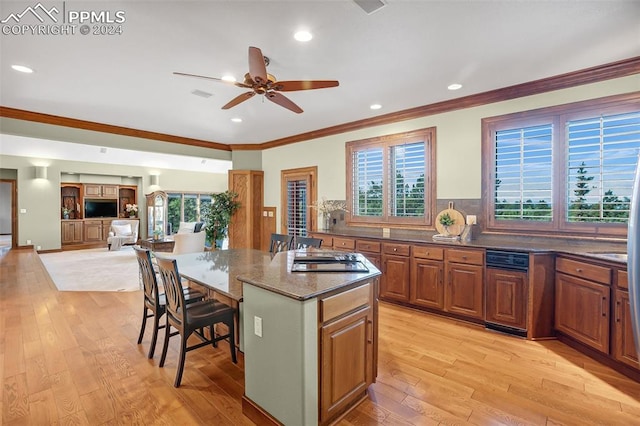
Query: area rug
point(93, 269)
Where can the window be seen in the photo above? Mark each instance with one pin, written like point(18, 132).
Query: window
point(391, 179)
point(564, 169)
point(185, 207)
point(298, 193)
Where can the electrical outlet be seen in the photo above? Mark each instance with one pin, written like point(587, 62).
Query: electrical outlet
point(39, 248)
point(472, 219)
point(23, 210)
point(28, 242)
point(257, 326)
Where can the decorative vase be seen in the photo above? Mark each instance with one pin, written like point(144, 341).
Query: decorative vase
point(326, 222)
point(445, 230)
point(132, 215)
point(66, 215)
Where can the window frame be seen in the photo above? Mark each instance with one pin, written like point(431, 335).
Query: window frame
point(426, 135)
point(558, 116)
point(310, 175)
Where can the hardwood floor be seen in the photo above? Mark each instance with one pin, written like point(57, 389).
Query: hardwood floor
point(72, 358)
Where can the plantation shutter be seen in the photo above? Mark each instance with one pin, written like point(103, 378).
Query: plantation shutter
point(297, 202)
point(602, 155)
point(407, 169)
point(523, 173)
point(367, 182)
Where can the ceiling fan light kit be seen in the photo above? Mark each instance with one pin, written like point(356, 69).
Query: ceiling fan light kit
point(262, 83)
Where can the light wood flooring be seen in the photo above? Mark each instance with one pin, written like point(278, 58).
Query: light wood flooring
point(72, 358)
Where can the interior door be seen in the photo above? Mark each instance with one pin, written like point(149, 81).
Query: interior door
point(298, 192)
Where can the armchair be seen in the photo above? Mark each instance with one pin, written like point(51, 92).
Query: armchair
point(123, 231)
point(189, 242)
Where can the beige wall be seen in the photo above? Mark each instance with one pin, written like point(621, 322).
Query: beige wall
point(458, 147)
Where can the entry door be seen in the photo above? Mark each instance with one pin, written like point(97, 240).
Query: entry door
point(298, 193)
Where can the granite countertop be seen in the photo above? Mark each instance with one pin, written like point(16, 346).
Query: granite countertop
point(276, 276)
point(595, 248)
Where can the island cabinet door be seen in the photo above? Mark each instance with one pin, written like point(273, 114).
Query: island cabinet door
point(347, 362)
point(396, 274)
point(582, 311)
point(426, 283)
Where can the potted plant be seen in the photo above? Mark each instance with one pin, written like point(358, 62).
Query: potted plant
point(217, 216)
point(132, 209)
point(446, 221)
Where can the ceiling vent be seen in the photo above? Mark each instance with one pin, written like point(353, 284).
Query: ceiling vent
point(201, 93)
point(370, 6)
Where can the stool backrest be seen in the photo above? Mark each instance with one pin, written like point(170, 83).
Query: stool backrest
point(280, 242)
point(305, 242)
point(148, 276)
point(176, 307)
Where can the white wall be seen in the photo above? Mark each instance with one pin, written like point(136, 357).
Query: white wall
point(458, 146)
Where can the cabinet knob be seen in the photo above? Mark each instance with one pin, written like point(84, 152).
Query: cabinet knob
point(395, 249)
point(578, 269)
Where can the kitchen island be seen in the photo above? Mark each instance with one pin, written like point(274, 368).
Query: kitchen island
point(310, 341)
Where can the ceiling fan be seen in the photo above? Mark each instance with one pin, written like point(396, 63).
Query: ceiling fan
point(262, 83)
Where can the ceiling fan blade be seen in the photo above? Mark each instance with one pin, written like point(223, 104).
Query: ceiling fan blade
point(283, 101)
point(290, 86)
point(257, 67)
point(238, 99)
point(235, 83)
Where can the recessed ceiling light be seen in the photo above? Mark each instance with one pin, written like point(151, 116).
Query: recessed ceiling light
point(454, 86)
point(236, 120)
point(22, 68)
point(375, 106)
point(228, 78)
point(303, 36)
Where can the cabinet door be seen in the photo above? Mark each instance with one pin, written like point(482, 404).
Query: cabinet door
point(396, 273)
point(92, 191)
point(71, 232)
point(624, 349)
point(465, 290)
point(106, 228)
point(582, 311)
point(93, 231)
point(110, 191)
point(506, 301)
point(426, 284)
point(347, 362)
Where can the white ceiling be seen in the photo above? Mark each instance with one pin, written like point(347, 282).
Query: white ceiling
point(402, 56)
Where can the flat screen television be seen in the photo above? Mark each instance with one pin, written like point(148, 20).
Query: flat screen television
point(100, 208)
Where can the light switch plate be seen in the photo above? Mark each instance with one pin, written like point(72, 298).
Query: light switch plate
point(257, 326)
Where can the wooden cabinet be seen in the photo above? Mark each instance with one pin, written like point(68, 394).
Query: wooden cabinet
point(93, 231)
point(396, 272)
point(427, 277)
point(72, 231)
point(624, 349)
point(100, 191)
point(157, 212)
point(344, 244)
point(245, 229)
point(71, 199)
point(506, 298)
point(371, 250)
point(464, 293)
point(347, 344)
point(126, 195)
point(582, 309)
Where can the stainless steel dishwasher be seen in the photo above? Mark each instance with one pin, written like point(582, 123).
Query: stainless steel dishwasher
point(506, 291)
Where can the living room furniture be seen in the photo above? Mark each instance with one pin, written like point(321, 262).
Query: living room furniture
point(156, 213)
point(306, 242)
point(190, 319)
point(122, 231)
point(154, 301)
point(191, 242)
point(162, 244)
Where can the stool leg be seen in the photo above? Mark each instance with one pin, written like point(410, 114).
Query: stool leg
point(144, 324)
point(165, 346)
point(183, 354)
point(232, 343)
point(154, 337)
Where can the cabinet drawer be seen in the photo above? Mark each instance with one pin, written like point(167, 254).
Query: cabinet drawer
point(341, 303)
point(587, 271)
point(327, 240)
point(472, 257)
point(397, 249)
point(368, 246)
point(622, 279)
point(425, 252)
point(344, 243)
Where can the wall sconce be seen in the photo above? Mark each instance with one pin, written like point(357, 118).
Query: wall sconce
point(155, 179)
point(40, 172)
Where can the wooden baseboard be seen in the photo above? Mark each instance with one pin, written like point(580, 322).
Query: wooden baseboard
point(257, 415)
